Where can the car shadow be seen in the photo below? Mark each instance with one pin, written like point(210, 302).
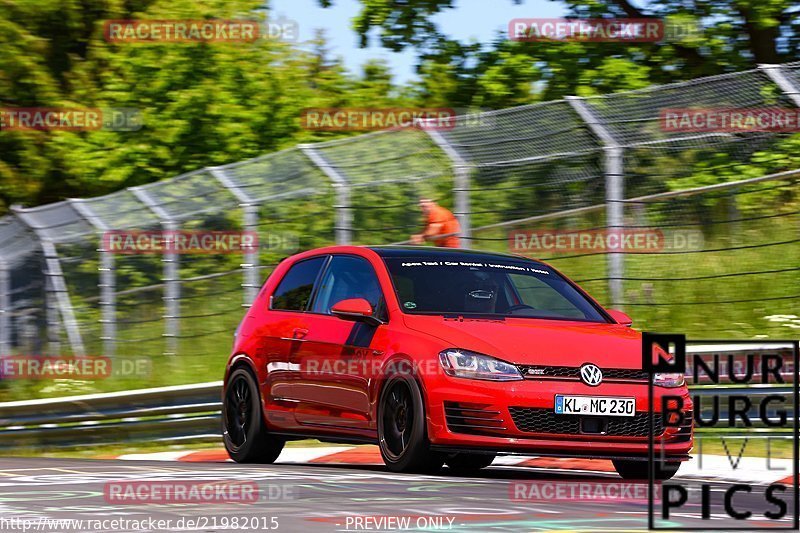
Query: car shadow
point(499, 472)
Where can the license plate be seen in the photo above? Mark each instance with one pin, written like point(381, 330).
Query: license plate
point(595, 405)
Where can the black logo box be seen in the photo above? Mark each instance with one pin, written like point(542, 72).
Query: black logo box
point(677, 363)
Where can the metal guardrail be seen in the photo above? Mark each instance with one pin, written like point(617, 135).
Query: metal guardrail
point(168, 414)
point(193, 412)
point(161, 414)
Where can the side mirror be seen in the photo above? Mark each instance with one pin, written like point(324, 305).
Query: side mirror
point(620, 317)
point(356, 310)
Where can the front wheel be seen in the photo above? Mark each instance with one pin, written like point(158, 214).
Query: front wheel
point(245, 436)
point(639, 469)
point(402, 434)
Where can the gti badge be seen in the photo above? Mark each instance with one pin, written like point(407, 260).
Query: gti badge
point(591, 374)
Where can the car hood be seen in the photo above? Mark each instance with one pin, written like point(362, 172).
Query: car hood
point(533, 341)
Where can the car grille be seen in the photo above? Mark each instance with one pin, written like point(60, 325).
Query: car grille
point(685, 432)
point(574, 373)
point(534, 420)
point(473, 418)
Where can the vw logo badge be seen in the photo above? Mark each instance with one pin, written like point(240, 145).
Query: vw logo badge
point(591, 374)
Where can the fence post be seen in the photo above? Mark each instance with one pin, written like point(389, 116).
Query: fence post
point(251, 281)
point(5, 309)
point(461, 184)
point(51, 315)
point(108, 302)
point(107, 282)
point(172, 296)
point(344, 215)
point(171, 275)
point(615, 192)
point(59, 300)
point(775, 73)
point(615, 218)
point(251, 259)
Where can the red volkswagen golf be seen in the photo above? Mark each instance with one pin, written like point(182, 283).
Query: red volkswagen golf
point(442, 356)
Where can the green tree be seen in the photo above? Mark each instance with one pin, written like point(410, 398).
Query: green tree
point(201, 103)
point(731, 35)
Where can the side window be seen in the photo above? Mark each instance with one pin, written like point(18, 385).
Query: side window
point(349, 277)
point(294, 290)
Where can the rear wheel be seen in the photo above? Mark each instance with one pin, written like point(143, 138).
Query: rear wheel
point(639, 469)
point(402, 434)
point(245, 436)
point(468, 462)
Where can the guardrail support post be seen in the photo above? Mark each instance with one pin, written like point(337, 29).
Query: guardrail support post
point(5, 309)
point(344, 215)
point(615, 192)
point(461, 184)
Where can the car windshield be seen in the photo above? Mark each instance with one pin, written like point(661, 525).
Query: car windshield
point(486, 286)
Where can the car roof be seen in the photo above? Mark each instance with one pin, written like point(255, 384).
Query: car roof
point(427, 252)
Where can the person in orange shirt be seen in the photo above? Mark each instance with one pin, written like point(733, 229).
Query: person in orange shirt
point(442, 227)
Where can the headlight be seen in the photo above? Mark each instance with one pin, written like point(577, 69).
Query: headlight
point(465, 364)
point(670, 380)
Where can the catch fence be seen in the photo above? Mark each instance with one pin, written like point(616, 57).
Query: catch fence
point(575, 165)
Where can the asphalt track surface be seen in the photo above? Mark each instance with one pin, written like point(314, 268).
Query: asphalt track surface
point(35, 492)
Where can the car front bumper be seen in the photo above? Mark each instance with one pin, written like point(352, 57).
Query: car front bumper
point(518, 417)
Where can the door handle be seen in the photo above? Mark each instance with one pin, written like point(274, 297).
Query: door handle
point(299, 333)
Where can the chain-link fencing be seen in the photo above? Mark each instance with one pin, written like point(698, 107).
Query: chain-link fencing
point(582, 166)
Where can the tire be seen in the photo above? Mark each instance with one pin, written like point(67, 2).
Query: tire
point(243, 431)
point(468, 462)
point(402, 431)
point(639, 469)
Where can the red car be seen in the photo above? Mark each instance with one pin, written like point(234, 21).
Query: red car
point(442, 356)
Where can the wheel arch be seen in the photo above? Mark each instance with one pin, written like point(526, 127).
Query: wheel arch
point(389, 368)
point(244, 361)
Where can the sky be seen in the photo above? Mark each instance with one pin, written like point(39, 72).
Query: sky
point(480, 20)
